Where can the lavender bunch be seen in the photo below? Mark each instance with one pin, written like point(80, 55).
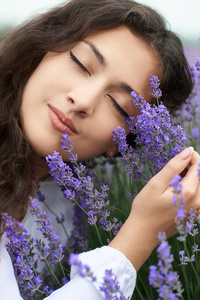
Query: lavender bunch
point(76, 239)
point(26, 252)
point(79, 187)
point(21, 249)
point(54, 252)
point(156, 142)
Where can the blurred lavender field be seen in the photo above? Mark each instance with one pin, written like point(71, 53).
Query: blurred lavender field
point(192, 51)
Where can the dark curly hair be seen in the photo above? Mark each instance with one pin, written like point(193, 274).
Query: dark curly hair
point(58, 30)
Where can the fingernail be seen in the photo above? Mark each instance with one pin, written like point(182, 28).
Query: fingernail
point(186, 153)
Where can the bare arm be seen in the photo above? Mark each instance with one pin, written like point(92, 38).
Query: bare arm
point(153, 212)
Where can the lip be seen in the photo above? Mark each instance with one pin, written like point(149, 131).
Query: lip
point(60, 122)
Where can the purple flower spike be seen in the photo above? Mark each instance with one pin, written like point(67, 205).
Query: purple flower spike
point(175, 181)
point(119, 137)
point(66, 143)
point(83, 270)
point(109, 286)
point(155, 83)
point(177, 198)
point(162, 277)
point(198, 171)
point(20, 246)
point(195, 133)
point(55, 251)
point(197, 64)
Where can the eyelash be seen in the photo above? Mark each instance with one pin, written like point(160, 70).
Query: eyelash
point(77, 61)
point(118, 107)
point(115, 104)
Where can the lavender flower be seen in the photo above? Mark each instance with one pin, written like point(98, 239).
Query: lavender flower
point(77, 241)
point(130, 157)
point(54, 252)
point(109, 286)
point(113, 226)
point(120, 138)
point(79, 186)
point(175, 183)
point(195, 133)
point(162, 276)
point(191, 223)
point(184, 227)
point(189, 113)
point(66, 143)
point(197, 64)
point(155, 83)
point(178, 200)
point(156, 142)
point(27, 252)
point(83, 270)
point(40, 196)
point(199, 171)
point(20, 248)
point(195, 248)
point(60, 219)
point(185, 259)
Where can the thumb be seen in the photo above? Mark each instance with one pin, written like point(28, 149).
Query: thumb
point(174, 167)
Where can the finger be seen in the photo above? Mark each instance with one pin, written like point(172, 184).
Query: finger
point(191, 181)
point(195, 158)
point(175, 166)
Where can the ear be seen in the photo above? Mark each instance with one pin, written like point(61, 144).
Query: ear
point(112, 151)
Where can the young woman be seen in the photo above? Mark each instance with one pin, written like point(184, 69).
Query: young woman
point(72, 70)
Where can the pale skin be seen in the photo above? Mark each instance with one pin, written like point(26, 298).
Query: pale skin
point(80, 84)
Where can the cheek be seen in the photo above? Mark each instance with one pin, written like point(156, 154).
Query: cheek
point(104, 131)
point(96, 142)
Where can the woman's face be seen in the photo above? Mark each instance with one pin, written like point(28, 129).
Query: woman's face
point(85, 92)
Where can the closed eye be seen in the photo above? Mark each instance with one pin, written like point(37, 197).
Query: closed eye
point(77, 61)
point(118, 107)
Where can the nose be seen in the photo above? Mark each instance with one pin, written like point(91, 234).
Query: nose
point(85, 100)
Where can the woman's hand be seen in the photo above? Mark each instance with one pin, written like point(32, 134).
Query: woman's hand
point(153, 212)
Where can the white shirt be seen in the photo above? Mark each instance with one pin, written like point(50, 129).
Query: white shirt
point(98, 259)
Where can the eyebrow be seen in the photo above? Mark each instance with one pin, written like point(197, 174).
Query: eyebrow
point(102, 61)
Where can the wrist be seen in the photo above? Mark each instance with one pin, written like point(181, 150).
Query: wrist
point(135, 241)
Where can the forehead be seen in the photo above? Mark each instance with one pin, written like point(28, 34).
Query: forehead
point(126, 55)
